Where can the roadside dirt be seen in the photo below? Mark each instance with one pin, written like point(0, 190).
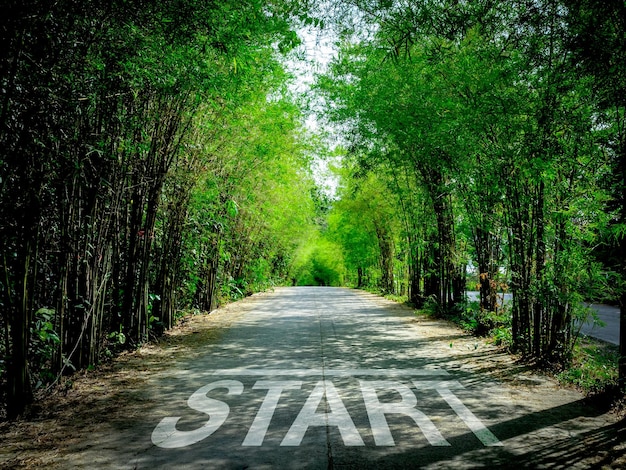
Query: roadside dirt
point(56, 426)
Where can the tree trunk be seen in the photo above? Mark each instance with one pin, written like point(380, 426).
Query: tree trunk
point(538, 303)
point(485, 245)
point(622, 244)
point(385, 244)
point(19, 393)
point(416, 296)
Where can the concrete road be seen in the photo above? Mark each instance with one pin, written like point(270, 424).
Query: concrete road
point(325, 378)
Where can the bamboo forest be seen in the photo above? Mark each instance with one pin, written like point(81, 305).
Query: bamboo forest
point(160, 159)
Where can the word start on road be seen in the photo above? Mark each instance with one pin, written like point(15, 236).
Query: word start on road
point(167, 436)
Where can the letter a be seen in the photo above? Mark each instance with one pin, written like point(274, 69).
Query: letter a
point(338, 416)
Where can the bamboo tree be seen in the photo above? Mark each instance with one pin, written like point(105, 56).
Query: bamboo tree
point(484, 105)
point(596, 39)
point(97, 108)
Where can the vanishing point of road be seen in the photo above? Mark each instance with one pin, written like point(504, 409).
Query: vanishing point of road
point(330, 378)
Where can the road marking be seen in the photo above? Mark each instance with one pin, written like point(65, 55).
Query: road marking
point(376, 412)
point(167, 436)
point(338, 416)
point(262, 420)
point(476, 426)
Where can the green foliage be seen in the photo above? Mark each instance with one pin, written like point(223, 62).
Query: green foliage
point(593, 367)
point(43, 329)
point(366, 227)
point(502, 337)
point(150, 155)
point(482, 322)
point(397, 298)
point(252, 205)
point(492, 150)
point(118, 337)
point(44, 342)
point(327, 265)
point(319, 263)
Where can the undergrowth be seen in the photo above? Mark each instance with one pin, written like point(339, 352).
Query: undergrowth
point(593, 364)
point(476, 321)
point(403, 299)
point(593, 368)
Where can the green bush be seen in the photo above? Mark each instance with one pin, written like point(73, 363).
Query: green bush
point(482, 322)
point(593, 368)
point(44, 341)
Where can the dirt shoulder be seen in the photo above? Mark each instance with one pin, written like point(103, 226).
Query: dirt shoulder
point(57, 423)
point(115, 393)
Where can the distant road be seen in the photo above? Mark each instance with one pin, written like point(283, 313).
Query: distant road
point(607, 314)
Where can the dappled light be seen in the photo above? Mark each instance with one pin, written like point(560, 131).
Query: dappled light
point(160, 161)
point(315, 377)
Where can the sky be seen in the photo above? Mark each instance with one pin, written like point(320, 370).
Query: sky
point(314, 55)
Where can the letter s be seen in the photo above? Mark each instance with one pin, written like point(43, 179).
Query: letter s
point(166, 435)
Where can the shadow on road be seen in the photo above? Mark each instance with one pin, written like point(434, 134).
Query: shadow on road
point(307, 337)
point(589, 449)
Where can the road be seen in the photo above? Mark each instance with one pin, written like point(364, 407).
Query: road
point(329, 378)
point(608, 315)
point(609, 329)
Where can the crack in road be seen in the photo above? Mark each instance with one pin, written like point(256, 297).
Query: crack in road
point(329, 450)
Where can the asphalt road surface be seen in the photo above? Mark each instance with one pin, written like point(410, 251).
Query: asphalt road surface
point(608, 329)
point(326, 378)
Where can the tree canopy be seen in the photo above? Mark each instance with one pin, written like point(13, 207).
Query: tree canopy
point(154, 161)
point(499, 141)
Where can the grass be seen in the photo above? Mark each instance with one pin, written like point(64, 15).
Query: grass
point(397, 298)
point(593, 368)
point(402, 299)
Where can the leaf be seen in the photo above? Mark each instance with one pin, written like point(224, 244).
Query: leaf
point(232, 208)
